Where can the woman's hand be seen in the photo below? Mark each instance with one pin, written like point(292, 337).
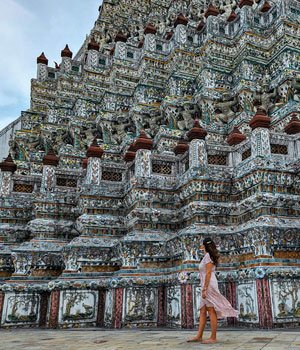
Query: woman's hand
point(204, 293)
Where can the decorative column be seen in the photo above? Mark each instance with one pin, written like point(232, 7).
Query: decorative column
point(42, 67)
point(101, 308)
point(284, 7)
point(187, 316)
point(2, 296)
point(189, 306)
point(54, 309)
point(66, 63)
point(264, 303)
point(197, 149)
point(118, 309)
point(143, 146)
point(183, 306)
point(211, 20)
point(231, 296)
point(143, 163)
point(7, 167)
point(260, 137)
point(234, 138)
point(120, 49)
point(94, 154)
point(162, 306)
point(180, 31)
point(246, 13)
point(150, 39)
point(93, 53)
point(50, 162)
point(45, 296)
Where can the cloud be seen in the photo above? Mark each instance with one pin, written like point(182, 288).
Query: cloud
point(29, 27)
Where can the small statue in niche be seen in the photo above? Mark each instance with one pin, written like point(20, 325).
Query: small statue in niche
point(187, 114)
point(153, 122)
point(34, 144)
point(67, 138)
point(138, 120)
point(88, 135)
point(296, 88)
point(18, 152)
point(120, 130)
point(107, 132)
point(171, 116)
point(206, 110)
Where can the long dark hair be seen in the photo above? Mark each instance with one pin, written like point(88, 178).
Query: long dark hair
point(212, 250)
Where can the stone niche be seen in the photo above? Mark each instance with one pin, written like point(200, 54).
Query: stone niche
point(140, 306)
point(285, 300)
point(173, 306)
point(21, 309)
point(247, 303)
point(109, 308)
point(78, 307)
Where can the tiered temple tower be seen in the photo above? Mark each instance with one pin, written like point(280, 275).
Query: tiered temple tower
point(175, 121)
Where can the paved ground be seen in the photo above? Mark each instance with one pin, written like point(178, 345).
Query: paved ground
point(90, 339)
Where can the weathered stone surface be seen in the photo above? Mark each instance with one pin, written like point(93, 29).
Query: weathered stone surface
point(103, 206)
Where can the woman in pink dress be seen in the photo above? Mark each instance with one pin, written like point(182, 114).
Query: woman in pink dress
point(212, 301)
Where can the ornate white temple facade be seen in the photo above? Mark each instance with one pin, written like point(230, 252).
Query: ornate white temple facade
point(176, 120)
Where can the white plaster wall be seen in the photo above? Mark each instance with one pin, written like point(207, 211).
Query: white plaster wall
point(5, 135)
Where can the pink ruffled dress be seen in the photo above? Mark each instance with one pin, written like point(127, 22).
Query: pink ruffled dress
point(213, 296)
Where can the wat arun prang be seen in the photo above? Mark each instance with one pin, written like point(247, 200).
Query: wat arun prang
point(175, 121)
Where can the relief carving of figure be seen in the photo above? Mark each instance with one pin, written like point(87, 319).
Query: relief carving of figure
point(265, 98)
point(224, 112)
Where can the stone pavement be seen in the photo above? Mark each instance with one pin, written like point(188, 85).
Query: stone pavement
point(90, 339)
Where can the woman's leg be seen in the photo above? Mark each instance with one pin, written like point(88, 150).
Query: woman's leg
point(202, 322)
point(213, 324)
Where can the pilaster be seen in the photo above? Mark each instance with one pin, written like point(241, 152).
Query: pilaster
point(143, 163)
point(197, 154)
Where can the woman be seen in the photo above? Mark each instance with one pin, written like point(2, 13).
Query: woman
point(212, 300)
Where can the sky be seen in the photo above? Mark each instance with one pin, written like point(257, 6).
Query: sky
point(28, 27)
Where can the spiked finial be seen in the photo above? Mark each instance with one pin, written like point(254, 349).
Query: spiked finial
point(42, 59)
point(66, 52)
point(51, 158)
point(293, 127)
point(8, 164)
point(260, 120)
point(93, 45)
point(211, 11)
point(196, 132)
point(235, 137)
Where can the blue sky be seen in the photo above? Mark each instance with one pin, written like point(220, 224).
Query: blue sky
point(28, 27)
